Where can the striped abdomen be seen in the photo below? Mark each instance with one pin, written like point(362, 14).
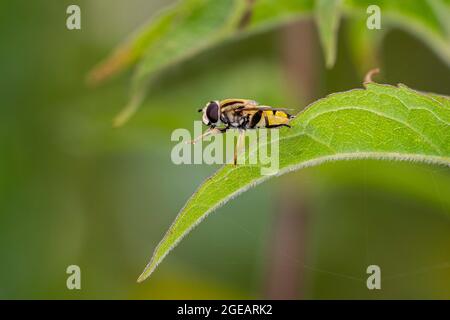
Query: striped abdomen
point(269, 119)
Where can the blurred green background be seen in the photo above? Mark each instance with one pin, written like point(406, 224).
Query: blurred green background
point(73, 190)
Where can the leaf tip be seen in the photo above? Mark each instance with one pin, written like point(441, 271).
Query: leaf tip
point(121, 118)
point(141, 278)
point(327, 18)
point(146, 273)
point(113, 65)
point(330, 59)
point(129, 110)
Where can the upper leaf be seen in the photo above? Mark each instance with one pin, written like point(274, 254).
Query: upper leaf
point(192, 26)
point(184, 31)
point(424, 19)
point(379, 122)
point(327, 19)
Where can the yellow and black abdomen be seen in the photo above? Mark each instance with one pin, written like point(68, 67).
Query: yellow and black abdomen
point(269, 119)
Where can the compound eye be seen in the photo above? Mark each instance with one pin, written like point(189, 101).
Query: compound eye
point(212, 112)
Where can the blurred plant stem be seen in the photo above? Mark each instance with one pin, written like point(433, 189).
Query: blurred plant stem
point(287, 254)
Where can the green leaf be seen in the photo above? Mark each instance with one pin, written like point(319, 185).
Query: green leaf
point(203, 24)
point(428, 20)
point(269, 14)
point(195, 25)
point(327, 14)
point(186, 29)
point(133, 48)
point(192, 26)
point(200, 25)
point(364, 45)
point(379, 122)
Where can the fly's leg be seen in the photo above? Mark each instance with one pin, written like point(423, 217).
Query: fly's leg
point(208, 132)
point(238, 146)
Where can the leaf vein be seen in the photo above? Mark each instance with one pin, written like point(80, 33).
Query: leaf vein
point(420, 134)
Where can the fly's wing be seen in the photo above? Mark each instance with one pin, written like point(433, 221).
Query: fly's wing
point(278, 114)
point(245, 104)
point(235, 104)
point(266, 108)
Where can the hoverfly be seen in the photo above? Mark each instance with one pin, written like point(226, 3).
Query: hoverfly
point(241, 114)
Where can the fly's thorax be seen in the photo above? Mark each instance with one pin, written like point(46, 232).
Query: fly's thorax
point(233, 118)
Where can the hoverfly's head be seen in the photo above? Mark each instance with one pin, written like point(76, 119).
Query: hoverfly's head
point(211, 113)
